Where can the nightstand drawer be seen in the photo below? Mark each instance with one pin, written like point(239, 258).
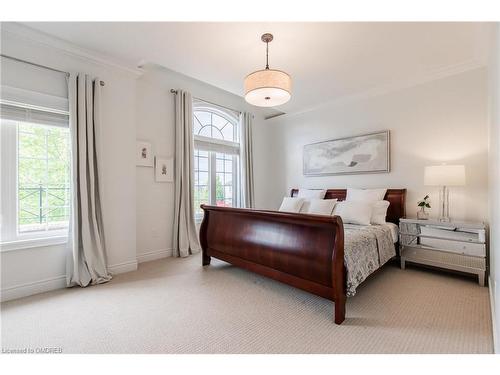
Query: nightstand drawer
point(444, 259)
point(474, 249)
point(452, 241)
point(476, 235)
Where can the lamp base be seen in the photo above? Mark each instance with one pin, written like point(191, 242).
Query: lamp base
point(444, 205)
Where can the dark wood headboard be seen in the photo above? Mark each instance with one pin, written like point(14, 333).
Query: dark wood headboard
point(396, 198)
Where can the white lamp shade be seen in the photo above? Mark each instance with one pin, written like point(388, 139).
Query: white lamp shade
point(444, 175)
point(268, 88)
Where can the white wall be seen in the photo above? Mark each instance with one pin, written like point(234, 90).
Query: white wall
point(138, 212)
point(155, 124)
point(440, 121)
point(444, 120)
point(494, 182)
point(268, 161)
point(40, 269)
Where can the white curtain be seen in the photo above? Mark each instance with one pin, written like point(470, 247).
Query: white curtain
point(247, 183)
point(185, 236)
point(86, 255)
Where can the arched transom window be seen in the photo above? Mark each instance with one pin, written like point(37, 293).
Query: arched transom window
point(216, 157)
point(211, 124)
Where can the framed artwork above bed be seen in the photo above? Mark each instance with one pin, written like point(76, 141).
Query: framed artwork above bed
point(367, 153)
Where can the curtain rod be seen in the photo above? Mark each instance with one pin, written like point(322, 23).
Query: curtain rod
point(173, 91)
point(40, 66)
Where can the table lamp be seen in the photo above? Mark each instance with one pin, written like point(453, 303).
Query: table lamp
point(444, 176)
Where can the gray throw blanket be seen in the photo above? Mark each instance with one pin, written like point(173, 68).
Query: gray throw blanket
point(366, 248)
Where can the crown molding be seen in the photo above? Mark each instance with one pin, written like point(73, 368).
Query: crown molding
point(434, 75)
point(25, 33)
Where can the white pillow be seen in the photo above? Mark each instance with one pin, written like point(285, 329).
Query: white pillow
point(365, 195)
point(379, 212)
point(354, 212)
point(291, 204)
point(305, 206)
point(318, 206)
point(312, 194)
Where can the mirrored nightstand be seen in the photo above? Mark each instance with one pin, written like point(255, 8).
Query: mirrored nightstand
point(456, 246)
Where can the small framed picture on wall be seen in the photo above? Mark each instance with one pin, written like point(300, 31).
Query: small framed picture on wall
point(164, 169)
point(144, 154)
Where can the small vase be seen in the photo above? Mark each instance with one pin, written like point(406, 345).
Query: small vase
point(422, 215)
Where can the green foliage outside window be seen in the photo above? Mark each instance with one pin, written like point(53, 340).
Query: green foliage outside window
point(43, 176)
point(201, 195)
point(219, 190)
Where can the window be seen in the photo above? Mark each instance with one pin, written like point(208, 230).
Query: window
point(35, 172)
point(216, 125)
point(216, 157)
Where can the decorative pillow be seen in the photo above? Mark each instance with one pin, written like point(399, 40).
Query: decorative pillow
point(290, 204)
point(311, 193)
point(318, 206)
point(354, 212)
point(379, 212)
point(305, 206)
point(365, 195)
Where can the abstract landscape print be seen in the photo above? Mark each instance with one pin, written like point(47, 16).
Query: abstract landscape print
point(368, 153)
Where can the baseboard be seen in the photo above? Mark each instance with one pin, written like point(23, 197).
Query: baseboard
point(123, 267)
point(496, 344)
point(153, 255)
point(36, 287)
point(53, 283)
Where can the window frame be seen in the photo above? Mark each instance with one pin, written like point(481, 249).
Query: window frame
point(11, 238)
point(214, 146)
point(229, 115)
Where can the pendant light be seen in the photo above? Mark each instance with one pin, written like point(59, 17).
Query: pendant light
point(268, 87)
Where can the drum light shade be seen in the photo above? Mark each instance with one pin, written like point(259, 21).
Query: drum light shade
point(268, 88)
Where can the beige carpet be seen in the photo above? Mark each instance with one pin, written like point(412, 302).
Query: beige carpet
point(176, 306)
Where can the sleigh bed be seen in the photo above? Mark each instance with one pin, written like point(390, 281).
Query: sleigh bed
point(302, 250)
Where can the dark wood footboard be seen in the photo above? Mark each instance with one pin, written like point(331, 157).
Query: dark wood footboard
point(305, 251)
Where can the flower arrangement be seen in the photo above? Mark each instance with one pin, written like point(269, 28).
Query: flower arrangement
point(424, 203)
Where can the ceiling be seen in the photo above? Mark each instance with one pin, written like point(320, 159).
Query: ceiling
point(327, 61)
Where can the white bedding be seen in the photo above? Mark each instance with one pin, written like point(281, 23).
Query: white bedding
point(393, 227)
point(394, 231)
point(366, 248)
